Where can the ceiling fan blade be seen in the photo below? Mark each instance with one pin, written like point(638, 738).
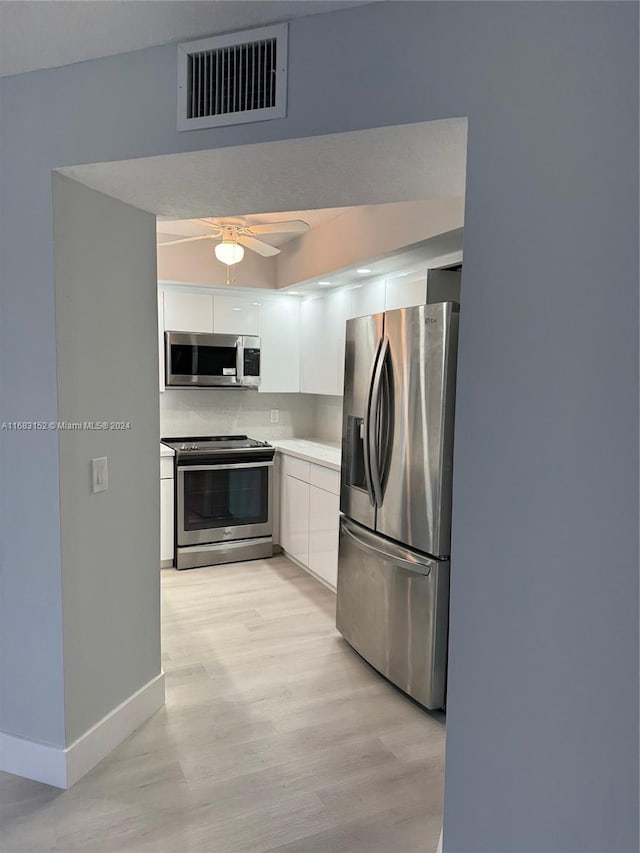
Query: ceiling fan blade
point(294, 226)
point(212, 225)
point(188, 240)
point(257, 246)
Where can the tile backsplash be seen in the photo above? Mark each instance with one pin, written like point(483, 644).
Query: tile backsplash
point(222, 411)
point(328, 418)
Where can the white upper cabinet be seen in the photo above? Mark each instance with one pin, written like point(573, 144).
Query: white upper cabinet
point(161, 339)
point(235, 315)
point(185, 311)
point(368, 298)
point(405, 291)
point(314, 377)
point(279, 329)
point(338, 312)
point(322, 333)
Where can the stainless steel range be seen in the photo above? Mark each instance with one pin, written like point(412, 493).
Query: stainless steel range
point(223, 499)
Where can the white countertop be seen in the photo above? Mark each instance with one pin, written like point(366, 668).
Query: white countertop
point(166, 451)
point(322, 453)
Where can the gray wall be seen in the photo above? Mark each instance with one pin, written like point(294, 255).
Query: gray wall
point(105, 286)
point(543, 704)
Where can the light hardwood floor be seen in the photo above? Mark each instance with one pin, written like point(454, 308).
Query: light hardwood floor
point(275, 736)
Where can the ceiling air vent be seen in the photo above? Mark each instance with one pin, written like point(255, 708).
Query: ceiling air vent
point(232, 79)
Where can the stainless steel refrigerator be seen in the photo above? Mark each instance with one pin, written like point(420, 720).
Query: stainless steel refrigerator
point(395, 499)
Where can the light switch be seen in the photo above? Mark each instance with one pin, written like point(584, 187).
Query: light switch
point(99, 474)
point(275, 416)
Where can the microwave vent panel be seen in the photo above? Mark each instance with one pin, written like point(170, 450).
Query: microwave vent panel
point(233, 78)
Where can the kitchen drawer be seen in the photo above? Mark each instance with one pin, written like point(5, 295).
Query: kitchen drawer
point(325, 478)
point(166, 467)
point(298, 468)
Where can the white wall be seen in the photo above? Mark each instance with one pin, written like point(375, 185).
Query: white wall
point(223, 411)
point(105, 284)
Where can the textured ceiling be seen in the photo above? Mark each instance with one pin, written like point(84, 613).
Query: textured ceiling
point(402, 163)
point(47, 33)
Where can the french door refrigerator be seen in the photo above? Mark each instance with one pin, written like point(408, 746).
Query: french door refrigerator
point(395, 499)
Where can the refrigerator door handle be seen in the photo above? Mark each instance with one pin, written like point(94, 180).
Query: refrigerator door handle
point(368, 431)
point(385, 432)
point(395, 554)
point(373, 422)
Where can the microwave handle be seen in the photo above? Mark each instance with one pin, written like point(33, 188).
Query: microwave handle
point(167, 359)
point(239, 362)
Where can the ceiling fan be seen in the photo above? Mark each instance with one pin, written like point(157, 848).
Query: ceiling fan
point(234, 236)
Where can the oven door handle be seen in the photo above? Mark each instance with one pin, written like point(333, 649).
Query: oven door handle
point(225, 467)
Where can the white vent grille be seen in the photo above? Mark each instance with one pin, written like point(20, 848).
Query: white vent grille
point(232, 79)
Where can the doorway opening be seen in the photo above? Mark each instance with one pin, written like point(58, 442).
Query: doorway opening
point(263, 695)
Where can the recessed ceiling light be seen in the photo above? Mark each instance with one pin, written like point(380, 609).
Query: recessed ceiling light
point(236, 309)
point(363, 270)
point(357, 287)
point(294, 293)
point(255, 303)
point(401, 275)
point(324, 283)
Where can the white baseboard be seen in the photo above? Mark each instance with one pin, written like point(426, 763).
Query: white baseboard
point(62, 768)
point(101, 739)
point(34, 760)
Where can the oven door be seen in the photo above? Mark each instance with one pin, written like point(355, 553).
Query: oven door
point(218, 503)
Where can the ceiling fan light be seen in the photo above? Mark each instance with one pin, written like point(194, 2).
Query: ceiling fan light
point(229, 252)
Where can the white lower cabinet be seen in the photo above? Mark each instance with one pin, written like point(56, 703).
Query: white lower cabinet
point(294, 518)
point(309, 516)
point(324, 510)
point(166, 519)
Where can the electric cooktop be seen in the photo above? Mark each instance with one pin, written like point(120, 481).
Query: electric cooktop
point(216, 446)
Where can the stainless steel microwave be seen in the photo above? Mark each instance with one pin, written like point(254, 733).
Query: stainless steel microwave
point(198, 360)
